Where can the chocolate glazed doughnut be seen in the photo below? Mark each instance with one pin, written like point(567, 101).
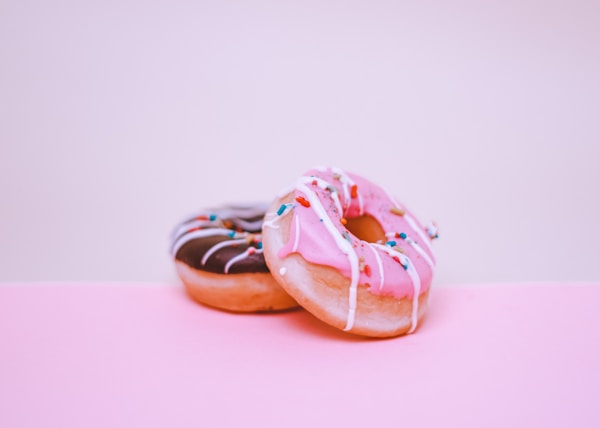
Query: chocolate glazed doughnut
point(218, 256)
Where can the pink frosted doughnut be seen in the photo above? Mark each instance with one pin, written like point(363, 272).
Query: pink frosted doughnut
point(350, 254)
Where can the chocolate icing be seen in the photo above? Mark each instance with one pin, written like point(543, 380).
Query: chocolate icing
point(224, 240)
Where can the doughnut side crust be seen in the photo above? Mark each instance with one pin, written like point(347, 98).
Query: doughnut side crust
point(243, 292)
point(324, 292)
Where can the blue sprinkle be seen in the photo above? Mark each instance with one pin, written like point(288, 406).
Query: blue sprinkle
point(212, 217)
point(405, 266)
point(281, 209)
point(231, 234)
point(403, 235)
point(391, 243)
point(259, 245)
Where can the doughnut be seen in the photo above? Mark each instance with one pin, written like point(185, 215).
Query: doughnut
point(218, 255)
point(350, 254)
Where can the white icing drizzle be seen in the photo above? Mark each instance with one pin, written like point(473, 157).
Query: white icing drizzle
point(421, 252)
point(322, 184)
point(275, 217)
point(237, 215)
point(297, 237)
point(198, 234)
point(218, 246)
point(245, 254)
point(414, 277)
point(379, 266)
point(413, 224)
point(348, 183)
point(416, 246)
point(190, 225)
point(342, 244)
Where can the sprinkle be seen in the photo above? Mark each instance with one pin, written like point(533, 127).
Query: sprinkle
point(391, 243)
point(397, 211)
point(303, 201)
point(432, 231)
point(314, 183)
point(212, 217)
point(231, 234)
point(403, 235)
point(227, 224)
point(367, 270)
point(343, 221)
point(281, 209)
point(259, 245)
point(337, 176)
point(347, 236)
point(354, 191)
point(202, 217)
point(251, 250)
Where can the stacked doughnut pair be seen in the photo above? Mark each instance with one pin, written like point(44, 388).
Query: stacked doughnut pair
point(335, 244)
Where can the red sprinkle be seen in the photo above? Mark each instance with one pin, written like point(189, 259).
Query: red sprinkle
point(251, 250)
point(314, 182)
point(367, 270)
point(303, 201)
point(354, 191)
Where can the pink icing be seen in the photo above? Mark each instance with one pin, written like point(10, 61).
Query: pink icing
point(400, 266)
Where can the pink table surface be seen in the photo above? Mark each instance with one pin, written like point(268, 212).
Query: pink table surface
point(109, 355)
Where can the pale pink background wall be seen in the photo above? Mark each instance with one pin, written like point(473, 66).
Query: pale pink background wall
point(117, 118)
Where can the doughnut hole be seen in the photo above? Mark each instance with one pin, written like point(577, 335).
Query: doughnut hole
point(366, 228)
